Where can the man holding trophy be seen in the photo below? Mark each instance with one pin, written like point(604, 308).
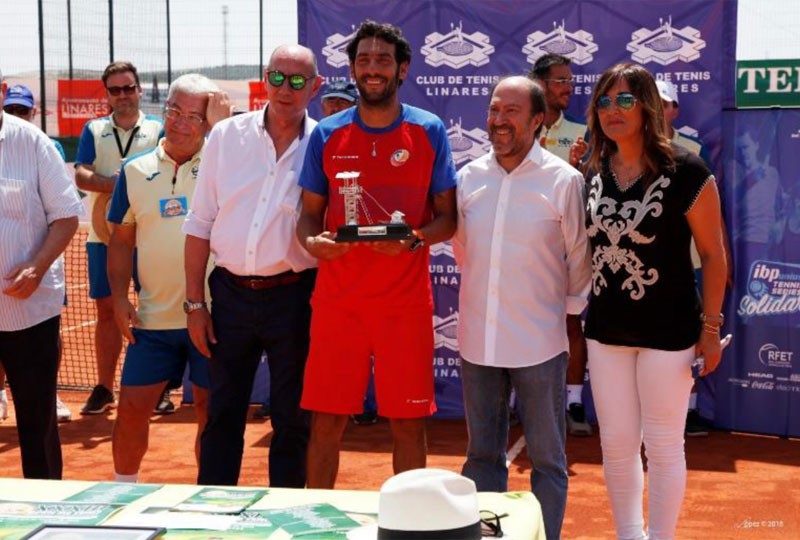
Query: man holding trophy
point(378, 187)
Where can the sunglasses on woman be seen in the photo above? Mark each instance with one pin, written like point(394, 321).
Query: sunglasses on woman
point(296, 81)
point(623, 100)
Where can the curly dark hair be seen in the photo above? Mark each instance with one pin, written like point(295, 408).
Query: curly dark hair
point(385, 32)
point(658, 152)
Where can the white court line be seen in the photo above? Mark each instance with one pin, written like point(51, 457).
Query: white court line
point(78, 326)
point(514, 451)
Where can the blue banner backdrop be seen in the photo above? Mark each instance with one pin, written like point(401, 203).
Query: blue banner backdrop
point(757, 387)
point(460, 47)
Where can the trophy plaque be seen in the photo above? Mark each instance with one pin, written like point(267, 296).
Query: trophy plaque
point(371, 231)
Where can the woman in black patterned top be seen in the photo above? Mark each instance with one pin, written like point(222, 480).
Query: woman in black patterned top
point(646, 324)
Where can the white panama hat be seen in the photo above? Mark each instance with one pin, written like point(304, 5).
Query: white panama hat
point(425, 503)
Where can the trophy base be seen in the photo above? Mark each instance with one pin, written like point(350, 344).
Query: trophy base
point(374, 233)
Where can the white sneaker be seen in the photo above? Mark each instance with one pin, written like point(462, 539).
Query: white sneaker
point(62, 411)
point(3, 406)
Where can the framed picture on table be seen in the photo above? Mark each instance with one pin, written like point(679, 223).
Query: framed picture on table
point(93, 532)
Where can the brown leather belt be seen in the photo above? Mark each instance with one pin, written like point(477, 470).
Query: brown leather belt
point(259, 283)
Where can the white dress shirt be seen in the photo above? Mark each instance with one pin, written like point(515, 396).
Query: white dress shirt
point(247, 201)
point(35, 190)
point(524, 255)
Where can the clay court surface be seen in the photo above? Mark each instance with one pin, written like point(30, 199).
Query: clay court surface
point(739, 486)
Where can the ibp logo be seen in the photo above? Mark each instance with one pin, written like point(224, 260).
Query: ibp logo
point(467, 145)
point(335, 48)
point(665, 44)
point(578, 46)
point(770, 355)
point(457, 49)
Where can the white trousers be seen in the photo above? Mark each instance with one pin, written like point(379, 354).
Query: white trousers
point(640, 395)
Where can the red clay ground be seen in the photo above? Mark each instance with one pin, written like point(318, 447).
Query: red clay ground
point(740, 486)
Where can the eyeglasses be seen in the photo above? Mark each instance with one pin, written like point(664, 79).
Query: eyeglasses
point(563, 81)
point(624, 100)
point(490, 524)
point(17, 110)
point(171, 113)
point(296, 81)
point(117, 90)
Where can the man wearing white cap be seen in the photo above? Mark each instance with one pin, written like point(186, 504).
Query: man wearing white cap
point(669, 99)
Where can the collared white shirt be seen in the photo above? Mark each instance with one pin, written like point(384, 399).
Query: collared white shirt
point(522, 248)
point(247, 201)
point(35, 190)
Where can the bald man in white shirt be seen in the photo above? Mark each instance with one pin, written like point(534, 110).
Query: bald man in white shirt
point(522, 248)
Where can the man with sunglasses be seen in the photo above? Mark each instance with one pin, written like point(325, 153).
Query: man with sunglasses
point(105, 142)
point(561, 135)
point(565, 138)
point(374, 298)
point(244, 211)
point(150, 200)
point(39, 211)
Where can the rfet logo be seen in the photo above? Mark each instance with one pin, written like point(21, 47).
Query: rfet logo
point(335, 48)
point(578, 46)
point(665, 44)
point(457, 49)
point(770, 355)
point(467, 145)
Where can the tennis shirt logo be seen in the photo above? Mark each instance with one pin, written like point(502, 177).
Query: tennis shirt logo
point(152, 176)
point(399, 157)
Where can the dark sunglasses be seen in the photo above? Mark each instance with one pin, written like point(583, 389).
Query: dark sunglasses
point(296, 81)
point(17, 110)
point(624, 100)
point(117, 90)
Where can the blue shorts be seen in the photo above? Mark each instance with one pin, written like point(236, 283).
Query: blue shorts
point(161, 355)
point(98, 271)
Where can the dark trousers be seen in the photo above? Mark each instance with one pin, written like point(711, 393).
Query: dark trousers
point(30, 357)
point(247, 322)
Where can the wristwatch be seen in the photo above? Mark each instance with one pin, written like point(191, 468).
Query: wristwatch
point(189, 306)
point(419, 241)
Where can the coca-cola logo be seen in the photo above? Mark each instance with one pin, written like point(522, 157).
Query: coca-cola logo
point(762, 385)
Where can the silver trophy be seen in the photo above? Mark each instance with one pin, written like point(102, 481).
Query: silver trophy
point(372, 231)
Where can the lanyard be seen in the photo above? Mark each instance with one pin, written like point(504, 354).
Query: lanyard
point(124, 153)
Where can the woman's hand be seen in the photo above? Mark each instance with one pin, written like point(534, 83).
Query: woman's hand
point(709, 347)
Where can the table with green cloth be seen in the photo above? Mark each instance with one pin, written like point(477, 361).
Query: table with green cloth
point(276, 514)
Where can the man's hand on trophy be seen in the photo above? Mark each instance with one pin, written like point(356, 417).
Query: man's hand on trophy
point(391, 247)
point(323, 246)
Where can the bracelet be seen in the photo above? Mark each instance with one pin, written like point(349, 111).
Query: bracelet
point(713, 319)
point(710, 329)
